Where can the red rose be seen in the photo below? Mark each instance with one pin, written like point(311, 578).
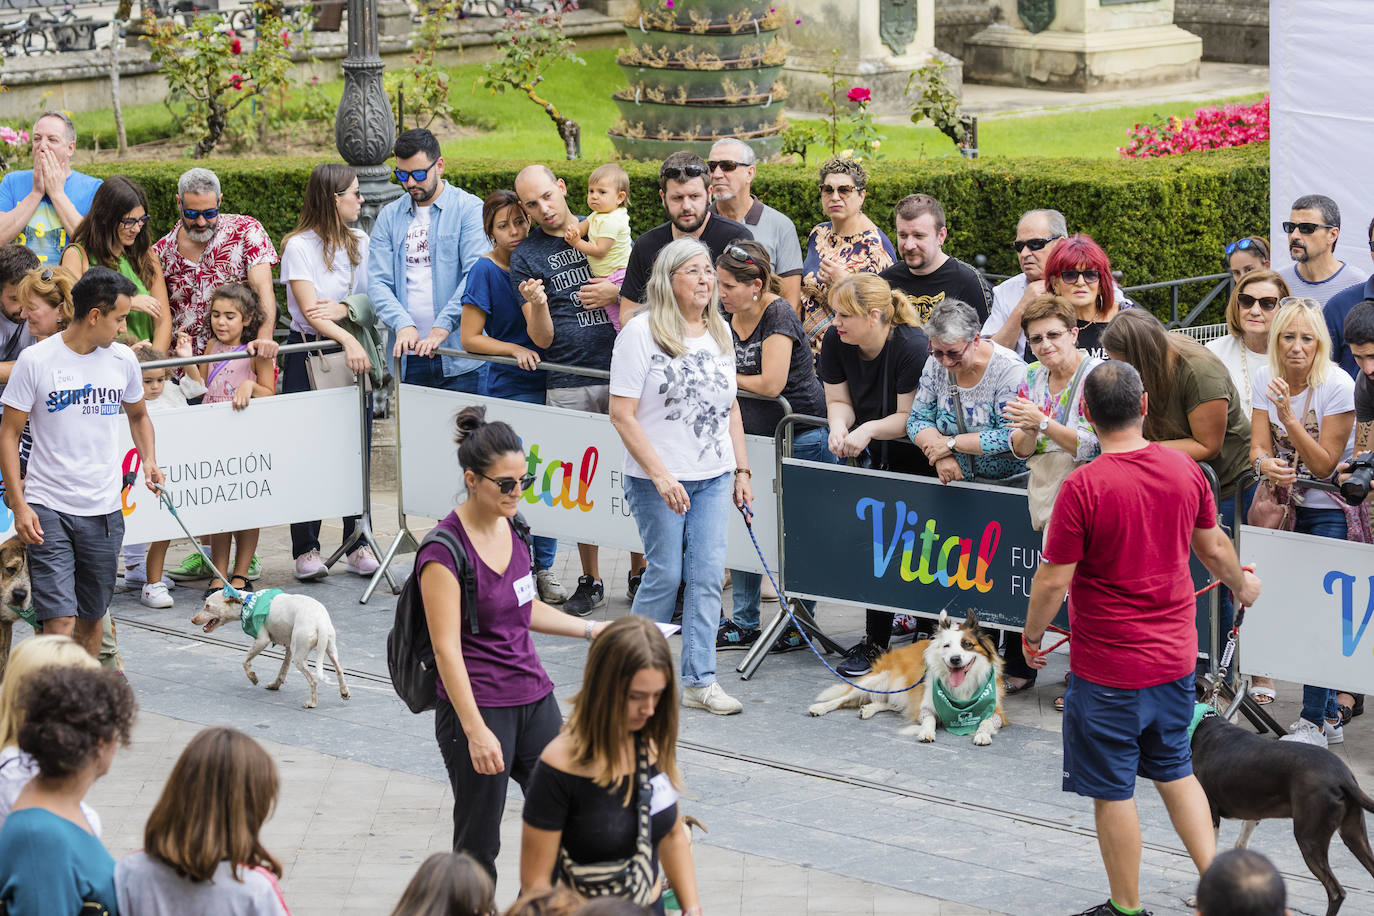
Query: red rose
point(285, 39)
point(235, 46)
point(859, 94)
point(235, 82)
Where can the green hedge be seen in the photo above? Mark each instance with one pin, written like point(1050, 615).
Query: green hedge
point(1157, 219)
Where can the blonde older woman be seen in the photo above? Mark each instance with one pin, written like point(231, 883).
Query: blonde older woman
point(673, 402)
point(1302, 426)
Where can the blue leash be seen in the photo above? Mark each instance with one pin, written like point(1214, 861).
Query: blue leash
point(787, 606)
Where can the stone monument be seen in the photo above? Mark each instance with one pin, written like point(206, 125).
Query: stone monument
point(1083, 45)
point(880, 43)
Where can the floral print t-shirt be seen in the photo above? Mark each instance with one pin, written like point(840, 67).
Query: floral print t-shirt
point(869, 251)
point(1036, 389)
point(982, 412)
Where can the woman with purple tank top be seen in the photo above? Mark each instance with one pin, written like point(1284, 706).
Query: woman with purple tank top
point(496, 709)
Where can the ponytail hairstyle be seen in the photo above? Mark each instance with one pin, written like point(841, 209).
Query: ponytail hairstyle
point(858, 294)
point(480, 443)
point(54, 286)
point(747, 261)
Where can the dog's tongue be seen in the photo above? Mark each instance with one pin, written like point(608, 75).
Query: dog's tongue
point(957, 675)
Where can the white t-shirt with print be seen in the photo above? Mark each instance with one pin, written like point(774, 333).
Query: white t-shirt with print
point(419, 273)
point(1334, 396)
point(684, 401)
point(303, 259)
point(73, 403)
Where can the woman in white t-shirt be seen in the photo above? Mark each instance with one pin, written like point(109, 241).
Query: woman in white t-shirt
point(1302, 426)
point(673, 402)
point(323, 262)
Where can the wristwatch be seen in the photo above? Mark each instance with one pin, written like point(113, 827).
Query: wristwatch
point(1044, 423)
point(950, 444)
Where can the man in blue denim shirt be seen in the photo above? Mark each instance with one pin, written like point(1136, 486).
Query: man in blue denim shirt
point(423, 245)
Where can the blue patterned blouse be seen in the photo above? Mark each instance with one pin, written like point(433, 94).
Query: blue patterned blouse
point(982, 406)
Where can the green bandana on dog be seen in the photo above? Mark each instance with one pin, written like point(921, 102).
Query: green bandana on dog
point(961, 717)
point(255, 608)
point(24, 613)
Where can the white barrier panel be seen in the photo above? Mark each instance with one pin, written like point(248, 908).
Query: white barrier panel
point(1311, 625)
point(576, 457)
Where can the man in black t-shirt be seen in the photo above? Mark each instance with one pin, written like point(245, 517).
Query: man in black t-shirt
point(684, 186)
point(925, 273)
point(1359, 337)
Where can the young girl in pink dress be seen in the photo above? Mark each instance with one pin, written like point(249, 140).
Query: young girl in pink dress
point(234, 318)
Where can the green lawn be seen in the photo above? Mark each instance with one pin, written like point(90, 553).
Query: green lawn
point(512, 127)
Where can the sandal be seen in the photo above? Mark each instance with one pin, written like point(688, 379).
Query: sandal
point(1008, 688)
point(1262, 696)
point(246, 586)
point(1352, 709)
point(1059, 704)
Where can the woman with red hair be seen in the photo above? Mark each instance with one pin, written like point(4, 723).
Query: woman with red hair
point(1079, 271)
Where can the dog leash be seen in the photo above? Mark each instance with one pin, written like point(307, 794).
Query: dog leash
point(748, 515)
point(229, 590)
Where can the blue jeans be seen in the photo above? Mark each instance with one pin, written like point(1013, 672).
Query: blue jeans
point(1320, 702)
point(429, 372)
point(747, 587)
point(545, 549)
point(694, 544)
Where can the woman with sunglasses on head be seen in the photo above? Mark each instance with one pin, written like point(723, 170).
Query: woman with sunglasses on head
point(1079, 271)
point(496, 710)
point(1246, 255)
point(115, 234)
point(847, 243)
point(771, 359)
point(1303, 426)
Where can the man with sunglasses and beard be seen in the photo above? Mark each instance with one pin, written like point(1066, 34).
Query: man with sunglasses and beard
point(731, 169)
point(422, 246)
point(684, 185)
point(926, 274)
point(1313, 227)
point(206, 249)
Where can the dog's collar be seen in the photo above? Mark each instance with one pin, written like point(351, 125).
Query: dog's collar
point(1200, 711)
point(256, 606)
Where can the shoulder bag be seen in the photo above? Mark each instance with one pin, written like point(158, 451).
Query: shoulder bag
point(634, 878)
point(1048, 470)
point(330, 370)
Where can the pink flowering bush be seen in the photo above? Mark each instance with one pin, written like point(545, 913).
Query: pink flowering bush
point(14, 145)
point(1208, 128)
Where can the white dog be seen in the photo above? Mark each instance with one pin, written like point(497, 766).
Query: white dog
point(295, 622)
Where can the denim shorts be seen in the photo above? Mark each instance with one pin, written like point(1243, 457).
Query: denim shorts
point(1114, 734)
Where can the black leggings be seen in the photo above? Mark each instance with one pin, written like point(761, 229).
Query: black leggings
point(479, 801)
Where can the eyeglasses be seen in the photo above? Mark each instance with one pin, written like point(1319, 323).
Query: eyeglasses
point(1247, 301)
point(1033, 244)
point(1245, 244)
point(1051, 336)
point(353, 192)
point(952, 355)
point(1306, 228)
point(192, 215)
point(696, 273)
point(676, 173)
point(508, 485)
point(844, 190)
point(725, 165)
point(1072, 277)
point(739, 254)
point(1305, 301)
point(131, 223)
point(414, 174)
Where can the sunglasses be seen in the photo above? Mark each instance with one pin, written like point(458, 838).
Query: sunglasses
point(844, 190)
point(1033, 244)
point(1304, 301)
point(1247, 243)
point(1051, 336)
point(130, 223)
point(46, 275)
point(676, 173)
point(192, 215)
point(739, 254)
point(352, 192)
point(1305, 228)
point(508, 485)
point(1247, 301)
point(952, 355)
point(725, 165)
point(414, 174)
point(1072, 277)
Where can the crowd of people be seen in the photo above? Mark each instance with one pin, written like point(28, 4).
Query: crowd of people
point(910, 361)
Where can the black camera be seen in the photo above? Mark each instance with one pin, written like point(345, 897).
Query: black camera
point(1361, 470)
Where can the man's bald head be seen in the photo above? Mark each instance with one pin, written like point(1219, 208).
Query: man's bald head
point(544, 197)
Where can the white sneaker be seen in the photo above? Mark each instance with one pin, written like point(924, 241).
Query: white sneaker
point(550, 589)
point(362, 562)
point(711, 698)
point(1334, 732)
point(309, 566)
point(155, 595)
point(1307, 733)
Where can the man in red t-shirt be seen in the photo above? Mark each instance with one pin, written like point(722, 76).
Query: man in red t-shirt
point(1118, 542)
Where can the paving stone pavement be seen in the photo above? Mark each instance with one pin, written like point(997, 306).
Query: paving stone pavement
point(829, 815)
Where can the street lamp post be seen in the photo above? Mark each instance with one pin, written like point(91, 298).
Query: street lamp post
point(363, 127)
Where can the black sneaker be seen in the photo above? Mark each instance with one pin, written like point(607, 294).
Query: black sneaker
point(788, 641)
point(859, 660)
point(1109, 909)
point(632, 585)
point(590, 595)
point(731, 636)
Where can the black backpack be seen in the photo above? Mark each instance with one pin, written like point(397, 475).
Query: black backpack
point(409, 652)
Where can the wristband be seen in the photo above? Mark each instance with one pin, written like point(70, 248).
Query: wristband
point(745, 471)
point(587, 631)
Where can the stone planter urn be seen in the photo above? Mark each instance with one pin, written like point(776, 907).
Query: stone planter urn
point(699, 70)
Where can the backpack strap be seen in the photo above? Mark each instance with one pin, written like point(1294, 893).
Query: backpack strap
point(467, 579)
point(522, 530)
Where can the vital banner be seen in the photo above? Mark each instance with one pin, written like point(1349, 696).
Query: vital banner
point(576, 458)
